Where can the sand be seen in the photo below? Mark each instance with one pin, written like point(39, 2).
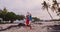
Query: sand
point(35, 27)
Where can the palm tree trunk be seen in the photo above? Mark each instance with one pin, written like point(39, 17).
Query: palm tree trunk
point(49, 14)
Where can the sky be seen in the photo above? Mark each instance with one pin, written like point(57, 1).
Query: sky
point(32, 6)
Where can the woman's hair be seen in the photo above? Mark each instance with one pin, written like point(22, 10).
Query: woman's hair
point(27, 15)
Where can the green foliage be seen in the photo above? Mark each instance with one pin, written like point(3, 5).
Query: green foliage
point(20, 17)
point(10, 16)
point(0, 13)
point(4, 11)
point(36, 19)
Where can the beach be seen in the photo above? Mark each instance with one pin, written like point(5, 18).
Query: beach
point(35, 27)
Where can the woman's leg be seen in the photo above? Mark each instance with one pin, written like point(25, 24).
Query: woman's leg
point(30, 25)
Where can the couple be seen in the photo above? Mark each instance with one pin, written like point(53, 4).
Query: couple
point(28, 20)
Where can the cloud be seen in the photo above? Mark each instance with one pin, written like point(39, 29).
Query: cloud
point(22, 6)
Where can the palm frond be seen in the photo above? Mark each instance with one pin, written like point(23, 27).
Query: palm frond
point(53, 8)
point(58, 9)
point(45, 5)
point(55, 3)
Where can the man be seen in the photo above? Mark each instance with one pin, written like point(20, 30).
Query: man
point(30, 17)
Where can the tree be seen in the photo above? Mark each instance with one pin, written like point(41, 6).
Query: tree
point(11, 16)
point(0, 13)
point(55, 6)
point(56, 3)
point(58, 11)
point(3, 13)
point(46, 6)
point(20, 17)
point(36, 19)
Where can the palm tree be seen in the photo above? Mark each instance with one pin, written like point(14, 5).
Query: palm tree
point(55, 6)
point(55, 3)
point(46, 6)
point(58, 11)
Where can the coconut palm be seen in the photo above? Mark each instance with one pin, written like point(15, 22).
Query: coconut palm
point(55, 6)
point(46, 6)
point(58, 12)
point(55, 3)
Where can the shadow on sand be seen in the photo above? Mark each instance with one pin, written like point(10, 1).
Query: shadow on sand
point(54, 28)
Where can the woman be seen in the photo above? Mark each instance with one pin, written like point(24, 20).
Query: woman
point(27, 20)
